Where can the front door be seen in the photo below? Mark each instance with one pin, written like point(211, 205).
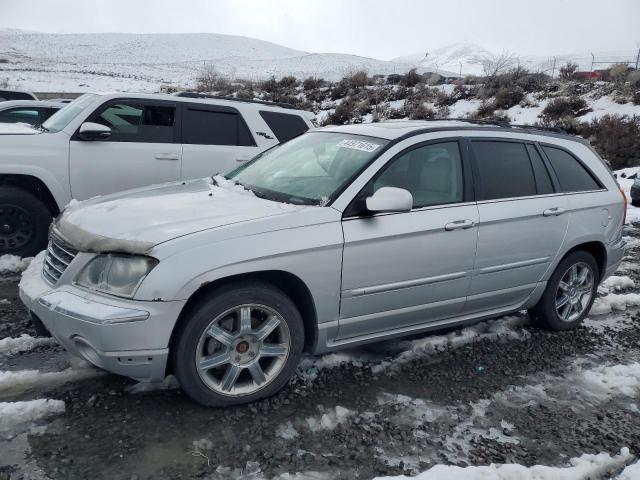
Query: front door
point(143, 149)
point(412, 268)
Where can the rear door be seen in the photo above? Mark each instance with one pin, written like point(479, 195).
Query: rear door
point(215, 139)
point(523, 222)
point(143, 148)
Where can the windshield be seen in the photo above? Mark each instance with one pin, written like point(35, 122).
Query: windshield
point(309, 169)
point(63, 117)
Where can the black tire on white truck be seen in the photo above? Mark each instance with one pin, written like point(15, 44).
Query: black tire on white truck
point(24, 222)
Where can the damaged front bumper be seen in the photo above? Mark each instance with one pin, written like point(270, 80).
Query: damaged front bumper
point(126, 337)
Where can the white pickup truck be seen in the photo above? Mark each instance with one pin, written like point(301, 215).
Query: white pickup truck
point(104, 143)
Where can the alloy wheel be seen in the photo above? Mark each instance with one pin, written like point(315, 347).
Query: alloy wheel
point(242, 350)
point(574, 292)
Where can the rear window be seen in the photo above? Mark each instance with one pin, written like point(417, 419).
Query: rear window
point(504, 170)
point(284, 125)
point(211, 127)
point(572, 175)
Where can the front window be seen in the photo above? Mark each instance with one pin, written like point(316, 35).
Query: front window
point(310, 169)
point(65, 115)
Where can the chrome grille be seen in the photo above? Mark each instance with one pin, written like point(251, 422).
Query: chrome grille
point(58, 257)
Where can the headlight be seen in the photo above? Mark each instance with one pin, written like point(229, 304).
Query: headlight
point(116, 274)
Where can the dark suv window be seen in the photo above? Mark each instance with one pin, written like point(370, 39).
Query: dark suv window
point(504, 170)
point(284, 125)
point(572, 175)
point(202, 126)
point(432, 173)
point(20, 115)
point(138, 122)
point(12, 95)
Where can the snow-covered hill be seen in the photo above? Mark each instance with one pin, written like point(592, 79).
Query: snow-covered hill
point(449, 58)
point(116, 61)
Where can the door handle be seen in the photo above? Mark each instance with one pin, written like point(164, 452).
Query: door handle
point(243, 159)
point(166, 156)
point(555, 211)
point(459, 225)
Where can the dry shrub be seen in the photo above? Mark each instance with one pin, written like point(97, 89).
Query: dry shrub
point(565, 107)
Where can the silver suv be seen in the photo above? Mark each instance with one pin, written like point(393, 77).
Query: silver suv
point(342, 236)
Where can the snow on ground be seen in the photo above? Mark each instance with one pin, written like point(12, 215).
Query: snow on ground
point(414, 411)
point(14, 416)
point(632, 472)
point(13, 264)
point(287, 431)
point(590, 384)
point(508, 327)
point(23, 343)
point(617, 283)
point(14, 382)
point(329, 420)
point(614, 301)
point(606, 106)
point(462, 108)
point(580, 468)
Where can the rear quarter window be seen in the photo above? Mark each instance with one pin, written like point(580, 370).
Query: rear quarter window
point(285, 126)
point(572, 174)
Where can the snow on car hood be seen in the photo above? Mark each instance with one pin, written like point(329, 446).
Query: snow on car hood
point(18, 129)
point(136, 220)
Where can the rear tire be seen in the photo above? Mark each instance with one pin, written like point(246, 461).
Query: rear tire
point(24, 222)
point(238, 345)
point(568, 297)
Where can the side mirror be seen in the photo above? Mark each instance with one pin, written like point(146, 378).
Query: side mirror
point(390, 199)
point(94, 131)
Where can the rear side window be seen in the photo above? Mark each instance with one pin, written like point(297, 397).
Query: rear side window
point(572, 175)
point(543, 180)
point(504, 170)
point(138, 122)
point(212, 127)
point(284, 125)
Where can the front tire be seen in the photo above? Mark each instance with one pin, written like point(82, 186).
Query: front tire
point(24, 222)
point(239, 345)
point(569, 294)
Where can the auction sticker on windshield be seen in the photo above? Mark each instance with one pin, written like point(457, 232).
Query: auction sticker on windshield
point(358, 145)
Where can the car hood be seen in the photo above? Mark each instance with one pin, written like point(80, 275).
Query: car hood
point(137, 220)
point(18, 129)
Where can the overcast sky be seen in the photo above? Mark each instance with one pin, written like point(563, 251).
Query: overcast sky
point(375, 28)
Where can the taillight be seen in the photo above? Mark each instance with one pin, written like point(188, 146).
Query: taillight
point(624, 199)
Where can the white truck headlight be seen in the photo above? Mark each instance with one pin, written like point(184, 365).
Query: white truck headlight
point(116, 274)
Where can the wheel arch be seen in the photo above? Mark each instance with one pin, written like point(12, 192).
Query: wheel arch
point(290, 284)
point(32, 184)
point(595, 248)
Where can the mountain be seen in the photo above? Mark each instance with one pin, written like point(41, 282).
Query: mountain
point(448, 58)
point(119, 61)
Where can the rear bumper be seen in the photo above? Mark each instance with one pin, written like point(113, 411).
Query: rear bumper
point(126, 337)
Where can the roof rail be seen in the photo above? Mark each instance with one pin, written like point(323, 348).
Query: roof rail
point(500, 123)
point(234, 99)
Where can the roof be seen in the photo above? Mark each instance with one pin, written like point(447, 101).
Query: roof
point(394, 130)
point(30, 103)
point(196, 98)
